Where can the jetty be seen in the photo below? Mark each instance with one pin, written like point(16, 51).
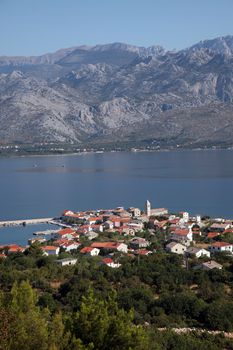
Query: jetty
point(59, 223)
point(44, 233)
point(25, 222)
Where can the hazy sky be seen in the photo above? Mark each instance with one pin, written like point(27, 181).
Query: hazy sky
point(32, 27)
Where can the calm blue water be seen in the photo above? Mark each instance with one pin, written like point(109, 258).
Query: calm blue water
point(21, 234)
point(198, 181)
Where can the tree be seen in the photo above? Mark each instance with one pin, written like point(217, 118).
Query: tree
point(102, 324)
point(34, 250)
point(219, 315)
point(29, 330)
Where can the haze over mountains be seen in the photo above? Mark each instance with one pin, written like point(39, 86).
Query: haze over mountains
point(120, 92)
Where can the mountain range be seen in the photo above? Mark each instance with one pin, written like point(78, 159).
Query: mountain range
point(119, 93)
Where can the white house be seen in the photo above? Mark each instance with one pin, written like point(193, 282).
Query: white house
point(50, 250)
point(109, 262)
point(221, 227)
point(90, 251)
point(182, 235)
point(138, 242)
point(128, 231)
point(108, 225)
point(175, 247)
point(91, 235)
point(185, 216)
point(64, 233)
point(221, 247)
point(111, 246)
point(136, 225)
point(197, 252)
point(68, 246)
point(210, 265)
point(98, 228)
point(66, 261)
point(134, 211)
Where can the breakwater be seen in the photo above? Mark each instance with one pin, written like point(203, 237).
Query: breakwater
point(25, 222)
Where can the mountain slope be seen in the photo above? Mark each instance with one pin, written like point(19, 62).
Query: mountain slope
point(117, 92)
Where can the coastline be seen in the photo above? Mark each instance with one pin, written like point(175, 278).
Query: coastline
point(90, 152)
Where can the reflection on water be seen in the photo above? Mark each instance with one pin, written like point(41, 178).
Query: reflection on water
point(66, 170)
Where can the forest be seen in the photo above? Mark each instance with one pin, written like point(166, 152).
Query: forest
point(91, 306)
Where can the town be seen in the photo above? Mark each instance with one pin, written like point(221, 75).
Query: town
point(113, 234)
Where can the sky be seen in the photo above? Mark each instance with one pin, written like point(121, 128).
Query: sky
point(34, 27)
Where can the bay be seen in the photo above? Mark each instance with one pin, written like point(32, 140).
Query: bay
point(21, 234)
point(200, 182)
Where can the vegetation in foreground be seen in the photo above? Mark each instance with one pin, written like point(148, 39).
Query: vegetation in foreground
point(91, 306)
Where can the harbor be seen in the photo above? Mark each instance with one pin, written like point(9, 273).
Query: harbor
point(20, 234)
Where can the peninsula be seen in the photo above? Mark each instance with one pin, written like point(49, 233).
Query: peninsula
point(164, 277)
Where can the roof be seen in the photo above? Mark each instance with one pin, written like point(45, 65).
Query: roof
point(220, 225)
point(76, 215)
point(86, 250)
point(96, 218)
point(107, 245)
point(107, 261)
point(221, 244)
point(193, 250)
point(119, 219)
point(173, 244)
point(174, 221)
point(61, 241)
point(138, 240)
point(70, 243)
point(49, 247)
point(65, 212)
point(14, 248)
point(212, 234)
point(158, 209)
point(143, 252)
point(180, 232)
point(229, 230)
point(66, 259)
point(66, 230)
point(212, 264)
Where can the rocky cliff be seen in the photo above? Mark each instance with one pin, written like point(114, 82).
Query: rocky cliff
point(119, 92)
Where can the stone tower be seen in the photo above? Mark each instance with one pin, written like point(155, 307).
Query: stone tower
point(148, 208)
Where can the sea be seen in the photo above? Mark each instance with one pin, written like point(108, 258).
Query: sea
point(200, 182)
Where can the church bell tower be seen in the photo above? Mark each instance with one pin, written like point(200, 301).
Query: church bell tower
point(148, 208)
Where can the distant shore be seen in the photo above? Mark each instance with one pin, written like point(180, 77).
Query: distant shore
point(90, 151)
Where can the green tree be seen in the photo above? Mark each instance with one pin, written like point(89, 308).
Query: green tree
point(219, 315)
point(29, 330)
point(100, 323)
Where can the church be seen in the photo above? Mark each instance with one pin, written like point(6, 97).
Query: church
point(154, 212)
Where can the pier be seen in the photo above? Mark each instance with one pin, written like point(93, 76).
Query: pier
point(25, 222)
point(44, 233)
point(59, 223)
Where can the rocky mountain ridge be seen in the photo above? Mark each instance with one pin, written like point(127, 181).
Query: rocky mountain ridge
point(119, 92)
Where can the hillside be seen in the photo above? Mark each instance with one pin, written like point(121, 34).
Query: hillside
point(115, 92)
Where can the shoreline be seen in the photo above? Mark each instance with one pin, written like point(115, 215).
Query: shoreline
point(178, 150)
